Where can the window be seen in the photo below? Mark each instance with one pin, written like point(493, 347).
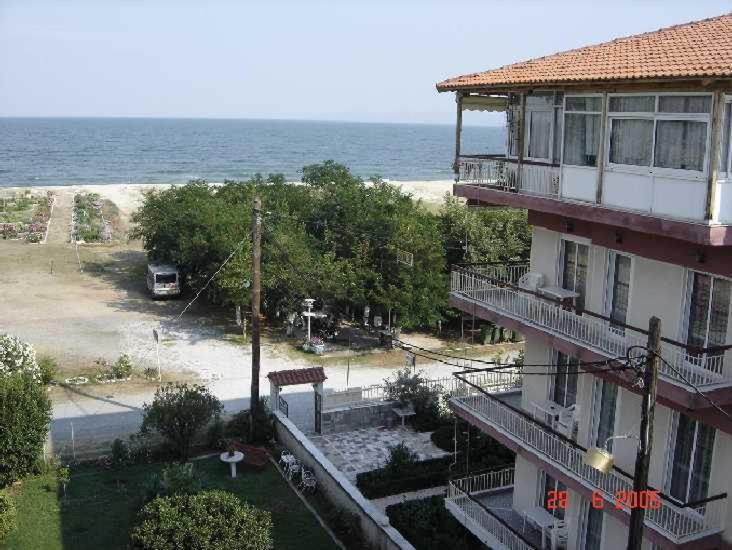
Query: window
point(605, 398)
point(691, 460)
point(551, 484)
point(708, 311)
point(538, 134)
point(631, 141)
point(581, 131)
point(665, 131)
point(574, 269)
point(680, 144)
point(564, 392)
point(591, 537)
point(512, 121)
point(724, 145)
point(618, 287)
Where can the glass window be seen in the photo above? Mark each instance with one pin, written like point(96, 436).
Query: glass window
point(540, 99)
point(584, 104)
point(558, 118)
point(565, 382)
point(632, 104)
point(680, 144)
point(606, 393)
point(593, 529)
point(574, 271)
point(581, 139)
point(708, 310)
point(620, 288)
point(724, 146)
point(539, 126)
point(692, 459)
point(513, 123)
point(551, 484)
point(631, 141)
point(684, 104)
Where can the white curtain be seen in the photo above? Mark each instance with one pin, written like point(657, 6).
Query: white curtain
point(631, 140)
point(681, 144)
point(540, 132)
point(581, 139)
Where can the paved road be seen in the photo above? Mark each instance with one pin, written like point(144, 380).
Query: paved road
point(99, 414)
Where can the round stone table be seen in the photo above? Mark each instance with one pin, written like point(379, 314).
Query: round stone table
point(232, 460)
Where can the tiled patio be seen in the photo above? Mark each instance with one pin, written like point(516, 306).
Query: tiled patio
point(367, 449)
point(500, 503)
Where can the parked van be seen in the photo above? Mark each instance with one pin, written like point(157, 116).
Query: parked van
point(163, 280)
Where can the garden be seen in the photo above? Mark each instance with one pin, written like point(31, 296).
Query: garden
point(164, 489)
point(25, 216)
point(90, 220)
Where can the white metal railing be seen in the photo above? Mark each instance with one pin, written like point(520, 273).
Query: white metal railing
point(586, 330)
point(503, 174)
point(505, 273)
point(469, 512)
point(494, 382)
point(675, 522)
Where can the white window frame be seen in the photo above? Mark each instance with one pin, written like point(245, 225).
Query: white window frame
point(560, 261)
point(686, 305)
point(610, 287)
point(597, 389)
point(527, 130)
point(553, 379)
point(564, 127)
point(583, 521)
point(654, 117)
point(725, 174)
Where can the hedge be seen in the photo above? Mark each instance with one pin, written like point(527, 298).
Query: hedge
point(382, 482)
point(429, 526)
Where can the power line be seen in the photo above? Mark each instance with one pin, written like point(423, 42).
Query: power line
point(683, 378)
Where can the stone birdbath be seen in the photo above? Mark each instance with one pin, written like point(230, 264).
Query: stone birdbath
point(232, 459)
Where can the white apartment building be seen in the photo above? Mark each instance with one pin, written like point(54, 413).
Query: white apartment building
point(621, 154)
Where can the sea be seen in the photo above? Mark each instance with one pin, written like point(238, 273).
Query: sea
point(63, 151)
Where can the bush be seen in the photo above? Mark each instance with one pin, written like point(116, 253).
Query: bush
point(238, 426)
point(178, 412)
point(215, 435)
point(429, 526)
point(25, 412)
point(209, 520)
point(175, 479)
point(421, 475)
point(17, 356)
point(485, 452)
point(401, 459)
point(120, 454)
point(7, 515)
point(122, 368)
point(412, 389)
point(49, 369)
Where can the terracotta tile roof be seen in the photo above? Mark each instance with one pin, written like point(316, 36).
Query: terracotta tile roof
point(693, 50)
point(297, 376)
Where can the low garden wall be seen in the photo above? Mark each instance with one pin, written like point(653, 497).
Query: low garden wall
point(356, 416)
point(338, 489)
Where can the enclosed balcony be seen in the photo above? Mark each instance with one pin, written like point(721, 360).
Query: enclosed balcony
point(505, 174)
point(501, 417)
point(493, 289)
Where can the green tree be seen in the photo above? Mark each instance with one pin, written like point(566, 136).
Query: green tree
point(25, 412)
point(211, 520)
point(179, 412)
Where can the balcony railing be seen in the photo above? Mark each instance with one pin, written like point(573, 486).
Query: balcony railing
point(683, 365)
point(499, 172)
point(466, 509)
point(676, 521)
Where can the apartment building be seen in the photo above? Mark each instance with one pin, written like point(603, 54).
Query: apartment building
point(620, 152)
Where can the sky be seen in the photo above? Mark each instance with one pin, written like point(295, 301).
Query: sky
point(371, 61)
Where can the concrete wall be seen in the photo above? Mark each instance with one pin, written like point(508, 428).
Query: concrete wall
point(338, 489)
point(354, 417)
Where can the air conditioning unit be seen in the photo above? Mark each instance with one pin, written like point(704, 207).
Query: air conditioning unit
point(532, 281)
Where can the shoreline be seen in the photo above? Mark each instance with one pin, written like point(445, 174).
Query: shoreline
point(127, 196)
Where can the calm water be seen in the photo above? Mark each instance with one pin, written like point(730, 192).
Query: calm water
point(57, 151)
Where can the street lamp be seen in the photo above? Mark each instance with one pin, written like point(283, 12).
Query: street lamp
point(600, 458)
point(308, 303)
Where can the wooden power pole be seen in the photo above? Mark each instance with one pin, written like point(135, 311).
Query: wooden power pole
point(256, 298)
point(643, 458)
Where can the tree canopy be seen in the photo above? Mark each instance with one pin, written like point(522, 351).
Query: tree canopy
point(334, 237)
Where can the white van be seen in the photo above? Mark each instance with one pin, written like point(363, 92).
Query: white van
point(163, 280)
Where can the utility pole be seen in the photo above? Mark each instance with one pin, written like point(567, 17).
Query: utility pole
point(256, 297)
point(643, 458)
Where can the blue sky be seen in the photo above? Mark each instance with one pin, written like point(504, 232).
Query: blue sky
point(348, 60)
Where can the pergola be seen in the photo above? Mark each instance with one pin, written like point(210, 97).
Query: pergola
point(292, 377)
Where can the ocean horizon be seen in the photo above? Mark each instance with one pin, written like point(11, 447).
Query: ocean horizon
point(111, 150)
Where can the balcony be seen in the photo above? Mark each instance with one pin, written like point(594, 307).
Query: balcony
point(483, 504)
point(504, 174)
point(502, 417)
point(494, 288)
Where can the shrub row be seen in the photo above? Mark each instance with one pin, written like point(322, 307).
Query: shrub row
point(429, 526)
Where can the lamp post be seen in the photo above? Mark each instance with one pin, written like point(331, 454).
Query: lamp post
point(602, 459)
point(308, 302)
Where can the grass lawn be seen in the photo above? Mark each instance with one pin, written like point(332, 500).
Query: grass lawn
point(100, 508)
